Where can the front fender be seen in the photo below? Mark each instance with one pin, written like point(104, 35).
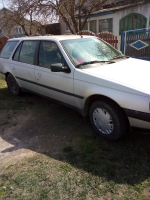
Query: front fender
point(123, 99)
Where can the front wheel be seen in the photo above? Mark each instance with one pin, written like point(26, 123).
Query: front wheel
point(13, 85)
point(108, 119)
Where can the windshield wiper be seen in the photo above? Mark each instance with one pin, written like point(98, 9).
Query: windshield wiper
point(116, 57)
point(94, 61)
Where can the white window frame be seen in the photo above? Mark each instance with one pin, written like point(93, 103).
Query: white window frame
point(19, 30)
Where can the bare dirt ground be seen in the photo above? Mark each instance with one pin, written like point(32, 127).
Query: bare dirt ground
point(11, 148)
point(26, 132)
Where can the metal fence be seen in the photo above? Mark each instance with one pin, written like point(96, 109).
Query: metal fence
point(136, 43)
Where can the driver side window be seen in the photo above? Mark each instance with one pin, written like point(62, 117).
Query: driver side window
point(49, 54)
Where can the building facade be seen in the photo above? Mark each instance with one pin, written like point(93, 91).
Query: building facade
point(117, 19)
point(10, 28)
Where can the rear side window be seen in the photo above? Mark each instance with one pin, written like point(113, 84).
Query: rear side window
point(8, 49)
point(27, 52)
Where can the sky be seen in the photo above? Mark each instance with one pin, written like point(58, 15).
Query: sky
point(1, 3)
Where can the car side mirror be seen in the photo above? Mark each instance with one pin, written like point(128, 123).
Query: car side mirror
point(58, 67)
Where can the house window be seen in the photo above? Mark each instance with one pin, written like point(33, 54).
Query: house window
point(19, 30)
point(85, 26)
point(105, 25)
point(93, 26)
point(131, 22)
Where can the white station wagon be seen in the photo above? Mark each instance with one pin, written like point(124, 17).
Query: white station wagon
point(84, 73)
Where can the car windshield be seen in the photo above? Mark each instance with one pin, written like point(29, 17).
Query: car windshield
point(89, 51)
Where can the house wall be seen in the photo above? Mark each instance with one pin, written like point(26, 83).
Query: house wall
point(63, 27)
point(8, 27)
point(116, 16)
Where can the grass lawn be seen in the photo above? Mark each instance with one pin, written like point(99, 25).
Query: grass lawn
point(72, 162)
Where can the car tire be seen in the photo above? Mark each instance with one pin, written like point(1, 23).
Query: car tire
point(13, 85)
point(108, 119)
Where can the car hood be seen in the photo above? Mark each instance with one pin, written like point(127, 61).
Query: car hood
point(129, 73)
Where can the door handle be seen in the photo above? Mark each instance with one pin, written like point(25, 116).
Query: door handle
point(39, 75)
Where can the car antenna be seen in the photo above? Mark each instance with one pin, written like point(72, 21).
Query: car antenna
point(81, 36)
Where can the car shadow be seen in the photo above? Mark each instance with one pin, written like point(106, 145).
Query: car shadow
point(62, 134)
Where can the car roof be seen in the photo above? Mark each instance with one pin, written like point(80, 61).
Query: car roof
point(53, 37)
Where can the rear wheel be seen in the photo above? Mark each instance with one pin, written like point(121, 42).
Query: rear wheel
point(108, 119)
point(13, 85)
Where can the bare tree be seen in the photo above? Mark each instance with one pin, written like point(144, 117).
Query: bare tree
point(20, 13)
point(74, 13)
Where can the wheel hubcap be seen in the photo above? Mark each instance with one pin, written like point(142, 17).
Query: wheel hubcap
point(103, 120)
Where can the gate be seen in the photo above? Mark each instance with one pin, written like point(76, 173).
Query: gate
point(136, 44)
point(106, 36)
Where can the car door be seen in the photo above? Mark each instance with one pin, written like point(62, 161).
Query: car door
point(23, 65)
point(55, 85)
